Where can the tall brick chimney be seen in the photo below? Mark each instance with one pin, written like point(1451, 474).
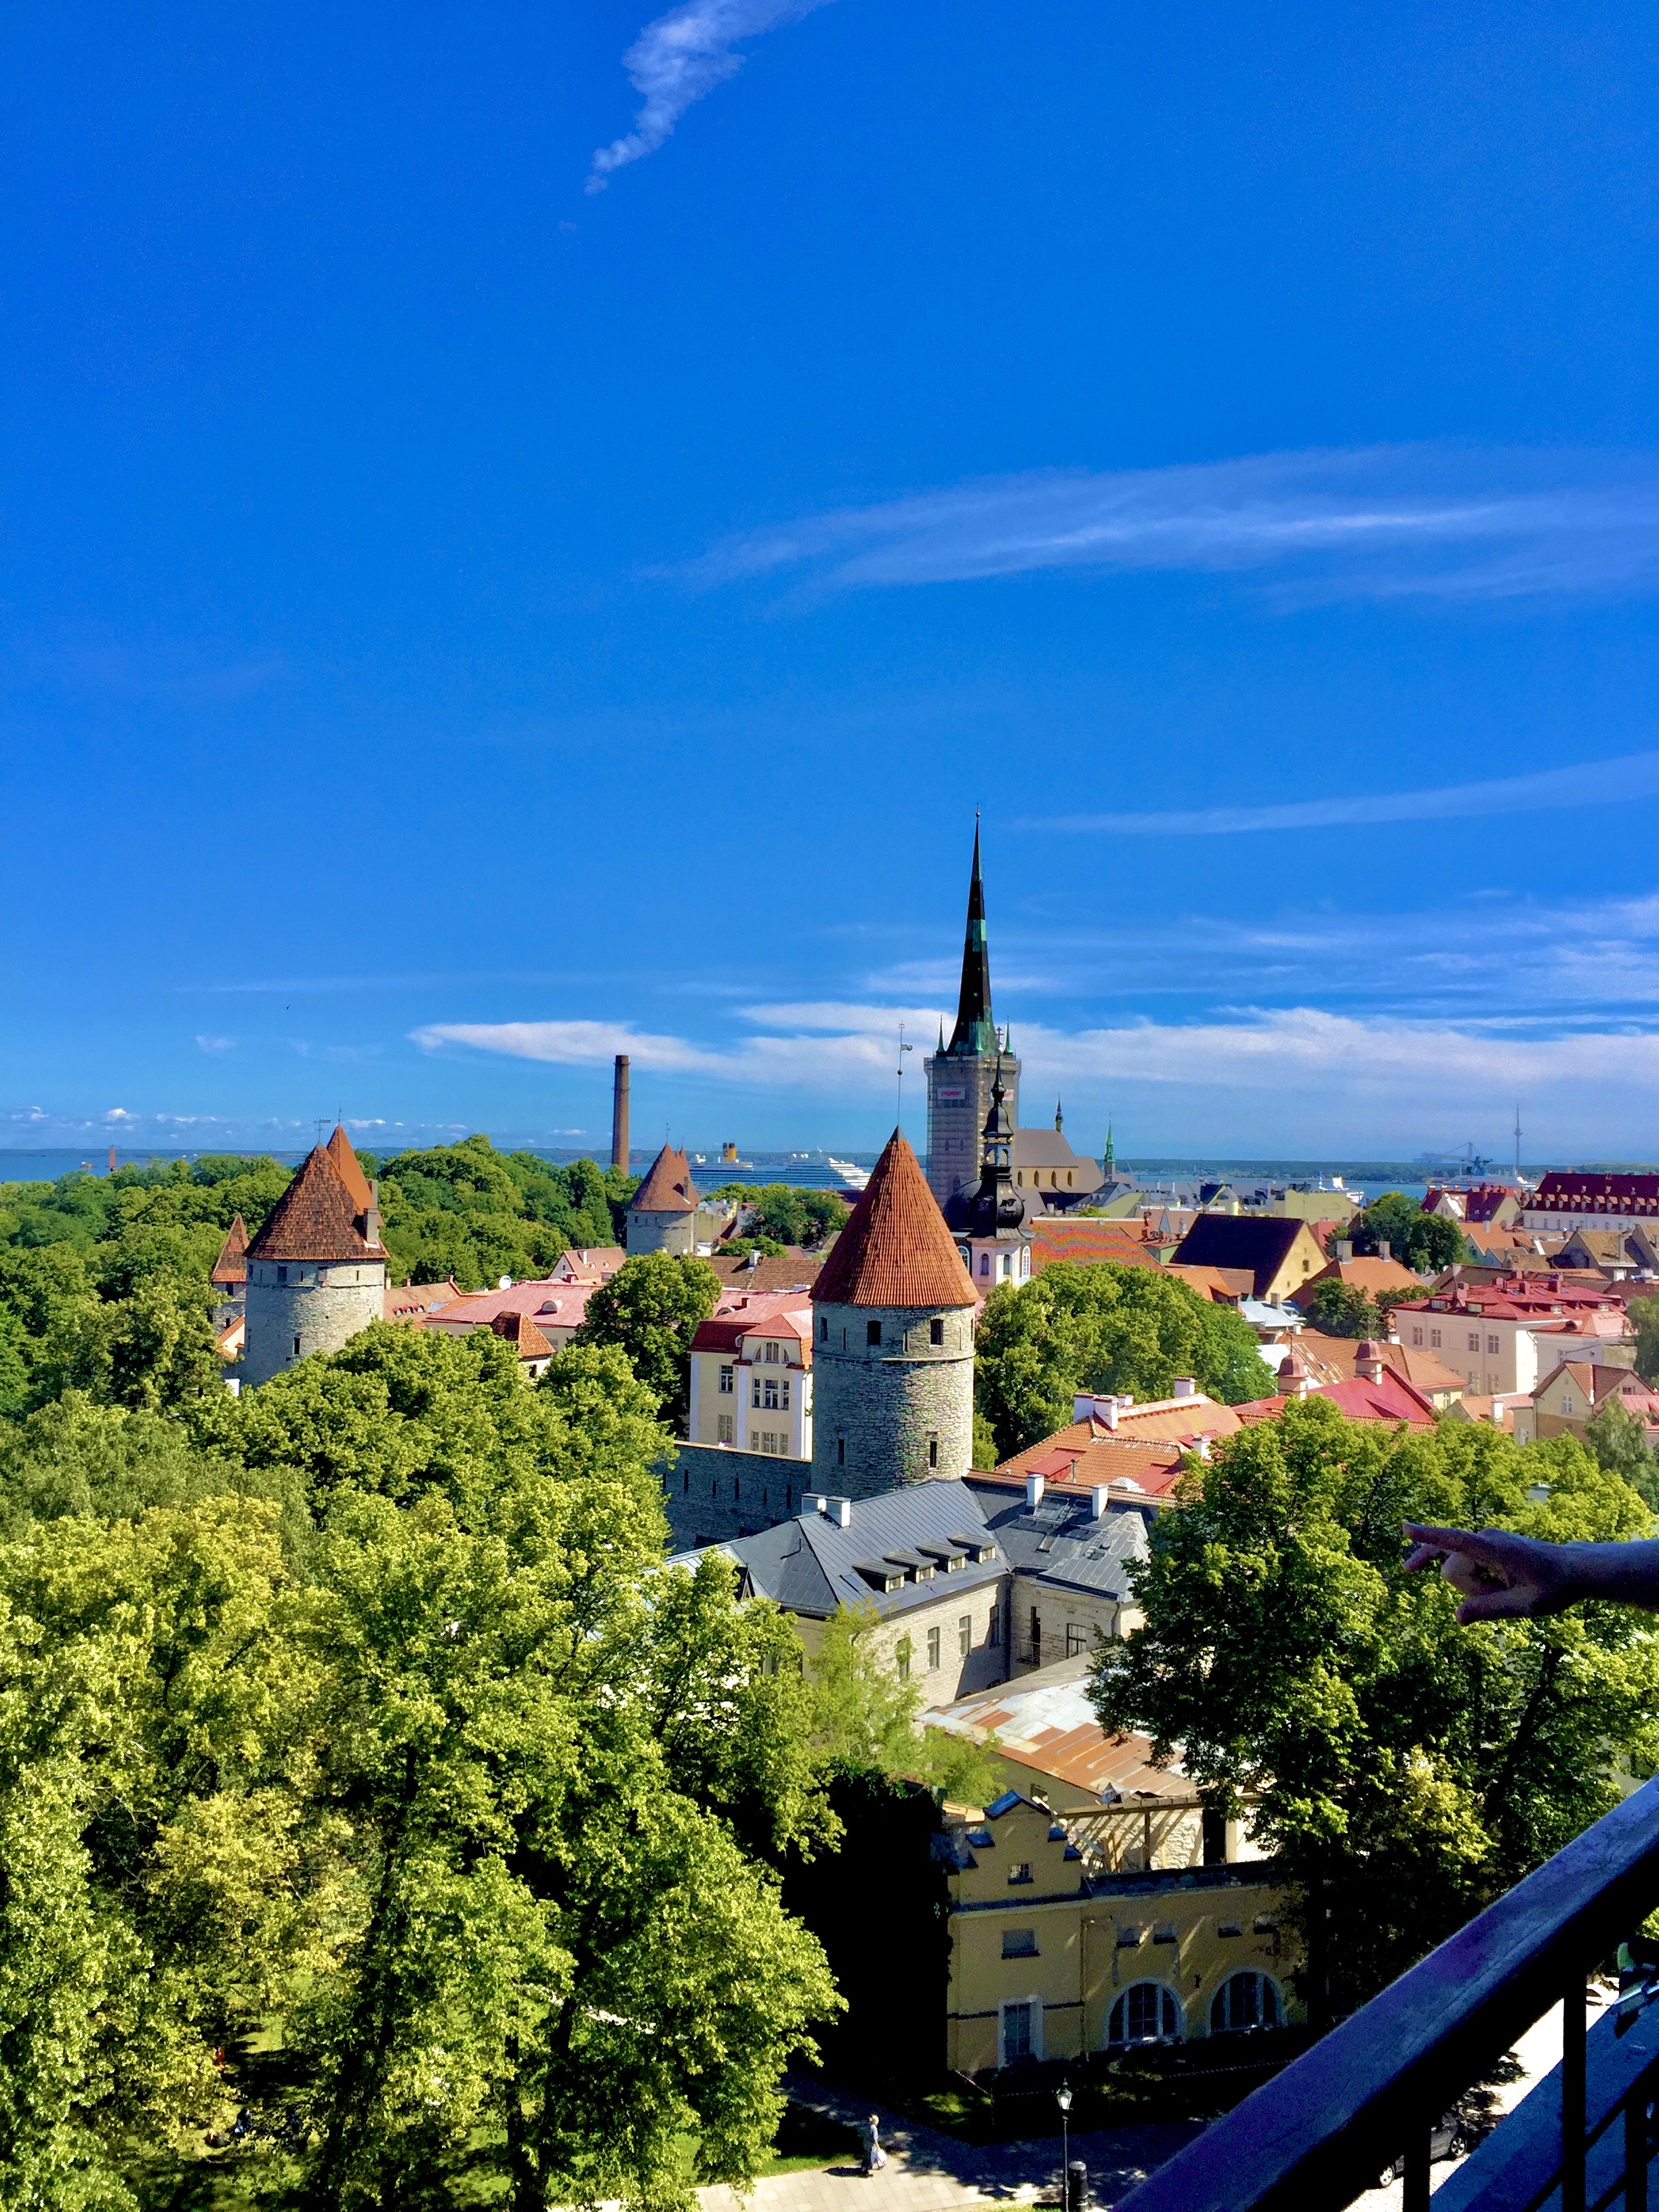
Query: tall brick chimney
point(619, 1116)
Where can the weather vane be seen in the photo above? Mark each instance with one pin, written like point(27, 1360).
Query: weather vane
point(902, 1049)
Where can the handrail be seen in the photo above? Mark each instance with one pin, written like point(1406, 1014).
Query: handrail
point(1321, 2132)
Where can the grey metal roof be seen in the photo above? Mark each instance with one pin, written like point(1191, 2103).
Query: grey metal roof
point(1059, 1541)
point(810, 1564)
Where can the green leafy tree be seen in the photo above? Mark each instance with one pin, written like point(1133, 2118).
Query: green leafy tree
point(1102, 1326)
point(1426, 1243)
point(650, 1310)
point(1404, 1770)
point(484, 1804)
point(1620, 1442)
point(1644, 1319)
point(1342, 1309)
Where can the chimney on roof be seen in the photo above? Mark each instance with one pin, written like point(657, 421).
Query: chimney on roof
point(1184, 1386)
point(1099, 1494)
point(1033, 1491)
point(619, 1116)
point(1345, 1248)
point(1369, 1362)
point(1294, 1380)
point(1384, 1249)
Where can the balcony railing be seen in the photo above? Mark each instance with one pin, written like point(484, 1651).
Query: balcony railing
point(1370, 2095)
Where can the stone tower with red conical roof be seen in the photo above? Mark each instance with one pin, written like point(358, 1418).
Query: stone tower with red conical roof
point(893, 1341)
point(316, 1271)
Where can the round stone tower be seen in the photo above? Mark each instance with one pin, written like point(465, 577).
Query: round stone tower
point(316, 1271)
point(893, 1341)
point(662, 1214)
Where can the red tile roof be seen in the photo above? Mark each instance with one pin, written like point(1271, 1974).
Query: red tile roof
point(789, 1270)
point(780, 1316)
point(519, 1330)
point(231, 1266)
point(1390, 1398)
point(315, 1218)
point(1595, 1192)
point(668, 1187)
point(1366, 1273)
point(414, 1301)
point(895, 1251)
point(1081, 1242)
point(351, 1174)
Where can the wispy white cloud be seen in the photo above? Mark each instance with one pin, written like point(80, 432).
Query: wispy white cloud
point(1593, 783)
point(1383, 521)
point(215, 1044)
point(680, 56)
point(1280, 1080)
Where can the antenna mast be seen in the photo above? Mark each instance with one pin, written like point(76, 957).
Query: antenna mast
point(902, 1049)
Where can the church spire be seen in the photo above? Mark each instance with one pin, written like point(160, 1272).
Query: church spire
point(1110, 1161)
point(974, 1032)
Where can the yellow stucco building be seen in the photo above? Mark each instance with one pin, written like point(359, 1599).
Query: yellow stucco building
point(1056, 1952)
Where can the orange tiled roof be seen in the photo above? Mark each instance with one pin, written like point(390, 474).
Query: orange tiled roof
point(1081, 1242)
point(668, 1187)
point(315, 1218)
point(351, 1174)
point(895, 1251)
point(231, 1266)
point(521, 1331)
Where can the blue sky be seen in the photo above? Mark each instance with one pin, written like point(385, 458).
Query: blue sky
point(529, 531)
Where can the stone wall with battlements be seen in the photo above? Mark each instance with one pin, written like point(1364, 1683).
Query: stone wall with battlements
point(901, 1410)
point(296, 1307)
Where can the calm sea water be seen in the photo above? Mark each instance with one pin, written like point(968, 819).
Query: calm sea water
point(812, 1171)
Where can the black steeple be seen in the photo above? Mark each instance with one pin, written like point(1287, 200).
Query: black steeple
point(996, 1205)
point(974, 1033)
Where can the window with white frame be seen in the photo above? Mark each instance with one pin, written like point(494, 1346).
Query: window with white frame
point(724, 1429)
point(1020, 2033)
point(932, 1650)
point(1147, 2012)
point(726, 1382)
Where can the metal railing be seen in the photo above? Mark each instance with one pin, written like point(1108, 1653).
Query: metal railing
point(1369, 2096)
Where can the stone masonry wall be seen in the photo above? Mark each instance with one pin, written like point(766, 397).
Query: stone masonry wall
point(711, 1494)
point(320, 1307)
point(661, 1232)
point(876, 1407)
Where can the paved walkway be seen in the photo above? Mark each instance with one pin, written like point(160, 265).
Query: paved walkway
point(928, 2171)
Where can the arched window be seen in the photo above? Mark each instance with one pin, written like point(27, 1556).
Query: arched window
point(1245, 2001)
point(1146, 2013)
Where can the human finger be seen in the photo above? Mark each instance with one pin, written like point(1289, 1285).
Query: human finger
point(1513, 1604)
point(1496, 1547)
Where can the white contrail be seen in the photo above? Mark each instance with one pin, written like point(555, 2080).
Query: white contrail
point(680, 56)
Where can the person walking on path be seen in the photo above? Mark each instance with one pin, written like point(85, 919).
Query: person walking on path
point(874, 2156)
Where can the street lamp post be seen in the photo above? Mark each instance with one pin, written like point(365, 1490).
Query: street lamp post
point(1063, 2098)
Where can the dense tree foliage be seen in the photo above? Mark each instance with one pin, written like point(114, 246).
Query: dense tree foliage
point(366, 1705)
point(467, 1211)
point(1102, 1326)
point(1424, 1242)
point(1620, 1442)
point(103, 1280)
point(1342, 1309)
point(650, 1308)
point(1645, 1320)
point(788, 1216)
point(1406, 1769)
